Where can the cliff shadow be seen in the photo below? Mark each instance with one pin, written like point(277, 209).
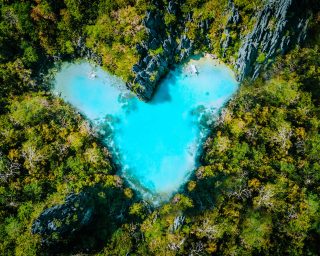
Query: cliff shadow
point(84, 222)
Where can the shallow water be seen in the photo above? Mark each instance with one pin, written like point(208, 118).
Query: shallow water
point(156, 143)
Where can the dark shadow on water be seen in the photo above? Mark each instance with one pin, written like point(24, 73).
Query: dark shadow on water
point(162, 94)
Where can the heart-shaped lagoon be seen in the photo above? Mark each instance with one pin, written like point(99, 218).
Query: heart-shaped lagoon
point(156, 143)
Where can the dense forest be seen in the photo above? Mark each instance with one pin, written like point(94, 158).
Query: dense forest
point(257, 190)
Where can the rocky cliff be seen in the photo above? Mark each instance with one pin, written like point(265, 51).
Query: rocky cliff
point(64, 220)
point(84, 220)
point(280, 25)
point(166, 45)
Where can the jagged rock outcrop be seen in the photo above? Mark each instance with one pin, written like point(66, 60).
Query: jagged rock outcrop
point(151, 67)
point(233, 19)
point(166, 49)
point(280, 25)
point(81, 218)
point(66, 219)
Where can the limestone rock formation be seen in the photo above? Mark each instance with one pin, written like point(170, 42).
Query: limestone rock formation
point(166, 51)
point(93, 213)
point(280, 25)
point(233, 19)
point(63, 220)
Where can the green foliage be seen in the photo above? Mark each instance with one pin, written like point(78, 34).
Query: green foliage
point(156, 51)
point(261, 58)
point(250, 5)
point(256, 231)
point(114, 36)
point(257, 191)
point(169, 19)
point(47, 151)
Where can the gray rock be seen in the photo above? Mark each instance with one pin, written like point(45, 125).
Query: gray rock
point(65, 219)
point(233, 19)
point(185, 42)
point(136, 68)
point(204, 24)
point(147, 59)
point(153, 65)
point(152, 68)
point(154, 25)
point(280, 25)
point(154, 44)
point(225, 43)
point(172, 7)
point(169, 46)
point(140, 49)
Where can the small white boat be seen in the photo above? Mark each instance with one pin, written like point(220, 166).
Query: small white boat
point(193, 69)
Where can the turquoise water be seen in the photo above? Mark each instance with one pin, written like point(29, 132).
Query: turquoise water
point(155, 143)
